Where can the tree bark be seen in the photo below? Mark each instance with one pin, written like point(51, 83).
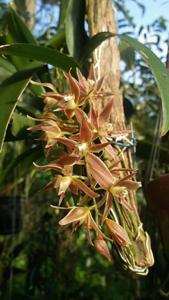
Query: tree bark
point(136, 257)
point(27, 9)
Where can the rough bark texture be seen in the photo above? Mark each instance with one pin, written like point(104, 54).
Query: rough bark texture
point(106, 57)
point(27, 9)
point(136, 257)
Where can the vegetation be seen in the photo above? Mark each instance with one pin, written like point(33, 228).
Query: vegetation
point(60, 150)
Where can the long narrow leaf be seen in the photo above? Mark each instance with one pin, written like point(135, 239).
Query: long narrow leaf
point(39, 53)
point(158, 69)
point(74, 27)
point(160, 73)
point(9, 94)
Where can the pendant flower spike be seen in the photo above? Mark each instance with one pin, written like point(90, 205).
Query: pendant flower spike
point(77, 134)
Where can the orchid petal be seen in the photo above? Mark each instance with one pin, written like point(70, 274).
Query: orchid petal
point(120, 181)
point(74, 215)
point(99, 84)
point(88, 191)
point(64, 184)
point(129, 184)
point(91, 75)
point(73, 188)
point(70, 144)
point(95, 227)
point(105, 113)
point(85, 131)
point(80, 115)
point(44, 84)
point(98, 147)
point(94, 118)
point(88, 227)
point(107, 208)
point(99, 171)
point(81, 79)
point(122, 200)
point(74, 86)
point(49, 166)
point(67, 160)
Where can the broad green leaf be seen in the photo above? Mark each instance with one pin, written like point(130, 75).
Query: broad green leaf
point(63, 8)
point(20, 124)
point(5, 64)
point(10, 91)
point(74, 27)
point(18, 33)
point(9, 94)
point(23, 74)
point(160, 74)
point(39, 53)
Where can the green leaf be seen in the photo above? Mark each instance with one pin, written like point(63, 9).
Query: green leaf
point(63, 8)
point(18, 33)
point(74, 27)
point(3, 23)
point(24, 161)
point(127, 55)
point(30, 108)
point(160, 74)
point(158, 69)
point(20, 124)
point(56, 40)
point(39, 53)
point(23, 74)
point(5, 64)
point(9, 94)
point(94, 42)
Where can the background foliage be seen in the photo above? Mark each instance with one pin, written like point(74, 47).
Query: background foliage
point(40, 260)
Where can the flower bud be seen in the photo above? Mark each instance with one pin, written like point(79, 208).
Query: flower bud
point(102, 248)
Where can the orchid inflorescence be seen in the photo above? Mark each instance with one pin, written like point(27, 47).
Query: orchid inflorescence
point(80, 146)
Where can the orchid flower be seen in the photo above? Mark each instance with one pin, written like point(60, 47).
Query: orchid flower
point(105, 179)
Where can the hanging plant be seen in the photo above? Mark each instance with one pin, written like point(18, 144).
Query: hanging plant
point(80, 148)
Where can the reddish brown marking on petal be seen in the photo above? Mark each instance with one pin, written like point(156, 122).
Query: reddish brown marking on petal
point(94, 118)
point(107, 207)
point(105, 113)
point(99, 171)
point(67, 160)
point(85, 131)
point(117, 233)
point(88, 191)
point(98, 147)
point(102, 248)
point(70, 144)
point(129, 184)
point(74, 86)
point(44, 84)
point(76, 214)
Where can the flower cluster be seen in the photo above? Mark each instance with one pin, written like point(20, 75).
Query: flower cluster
point(80, 146)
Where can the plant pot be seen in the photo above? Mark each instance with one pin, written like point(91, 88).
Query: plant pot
point(10, 215)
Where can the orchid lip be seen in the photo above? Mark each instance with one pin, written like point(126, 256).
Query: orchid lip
point(83, 147)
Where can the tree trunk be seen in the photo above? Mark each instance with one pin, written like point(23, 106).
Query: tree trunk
point(138, 255)
point(27, 9)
